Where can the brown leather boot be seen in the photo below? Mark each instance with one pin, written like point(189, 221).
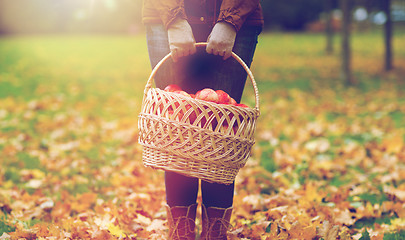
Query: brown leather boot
point(181, 221)
point(215, 223)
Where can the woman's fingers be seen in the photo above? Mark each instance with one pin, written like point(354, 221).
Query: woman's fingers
point(182, 51)
point(221, 40)
point(219, 49)
point(181, 39)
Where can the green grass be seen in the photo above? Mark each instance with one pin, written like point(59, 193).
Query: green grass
point(395, 236)
point(83, 66)
point(76, 66)
point(299, 60)
point(5, 228)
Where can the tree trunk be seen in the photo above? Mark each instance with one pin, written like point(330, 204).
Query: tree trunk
point(328, 26)
point(388, 36)
point(346, 50)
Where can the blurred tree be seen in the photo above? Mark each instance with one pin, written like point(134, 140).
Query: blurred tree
point(328, 26)
point(290, 14)
point(388, 35)
point(345, 6)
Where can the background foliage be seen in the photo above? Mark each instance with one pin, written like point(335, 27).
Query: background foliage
point(123, 16)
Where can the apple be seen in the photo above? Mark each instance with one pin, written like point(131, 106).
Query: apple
point(207, 94)
point(172, 88)
point(223, 96)
point(184, 93)
point(232, 101)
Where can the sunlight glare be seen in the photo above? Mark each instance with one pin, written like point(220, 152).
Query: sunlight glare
point(91, 6)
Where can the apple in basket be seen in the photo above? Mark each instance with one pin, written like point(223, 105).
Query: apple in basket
point(181, 92)
point(172, 88)
point(207, 94)
point(210, 95)
point(223, 96)
point(241, 105)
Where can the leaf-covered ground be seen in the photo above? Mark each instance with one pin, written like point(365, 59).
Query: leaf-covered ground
point(329, 160)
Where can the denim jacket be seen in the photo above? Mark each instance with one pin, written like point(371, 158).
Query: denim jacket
point(209, 12)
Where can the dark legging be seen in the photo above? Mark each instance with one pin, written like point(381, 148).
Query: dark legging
point(182, 191)
point(194, 73)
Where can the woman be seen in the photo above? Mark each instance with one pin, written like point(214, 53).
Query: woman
point(174, 26)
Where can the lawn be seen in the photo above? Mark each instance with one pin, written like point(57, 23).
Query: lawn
point(328, 163)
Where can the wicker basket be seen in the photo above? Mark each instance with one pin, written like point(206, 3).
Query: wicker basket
point(193, 137)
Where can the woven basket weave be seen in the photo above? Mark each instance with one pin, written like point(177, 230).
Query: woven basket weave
point(193, 137)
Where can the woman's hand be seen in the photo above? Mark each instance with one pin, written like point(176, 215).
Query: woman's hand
point(221, 39)
point(181, 39)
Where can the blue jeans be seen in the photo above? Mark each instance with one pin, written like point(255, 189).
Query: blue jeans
point(193, 73)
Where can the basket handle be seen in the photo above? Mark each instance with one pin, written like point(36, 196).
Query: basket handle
point(201, 44)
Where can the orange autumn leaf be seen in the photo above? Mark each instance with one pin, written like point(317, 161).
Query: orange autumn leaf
point(312, 193)
point(393, 143)
point(299, 231)
point(60, 210)
point(84, 201)
point(101, 235)
point(257, 231)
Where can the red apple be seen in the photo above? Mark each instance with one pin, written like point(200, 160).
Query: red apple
point(182, 93)
point(172, 88)
point(223, 96)
point(232, 101)
point(241, 105)
point(207, 94)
